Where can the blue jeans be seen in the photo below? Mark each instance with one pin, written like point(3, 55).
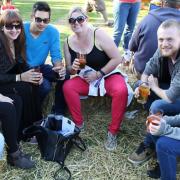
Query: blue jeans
point(155, 104)
point(124, 13)
point(167, 150)
point(49, 77)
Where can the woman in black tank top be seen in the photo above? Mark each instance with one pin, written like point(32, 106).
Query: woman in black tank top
point(103, 57)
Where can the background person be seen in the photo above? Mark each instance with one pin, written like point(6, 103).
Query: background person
point(144, 41)
point(14, 76)
point(125, 15)
point(99, 6)
point(7, 4)
point(42, 39)
point(101, 55)
point(10, 117)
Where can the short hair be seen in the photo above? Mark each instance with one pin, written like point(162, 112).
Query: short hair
point(77, 9)
point(170, 23)
point(172, 3)
point(41, 6)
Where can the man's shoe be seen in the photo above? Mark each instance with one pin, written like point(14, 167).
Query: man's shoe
point(141, 155)
point(111, 142)
point(154, 173)
point(20, 160)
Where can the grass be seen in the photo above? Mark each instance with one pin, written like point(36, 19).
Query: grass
point(95, 163)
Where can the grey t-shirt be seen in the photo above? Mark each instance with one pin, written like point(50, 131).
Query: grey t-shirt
point(153, 67)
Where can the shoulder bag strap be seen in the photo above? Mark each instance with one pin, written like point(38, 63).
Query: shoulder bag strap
point(78, 142)
point(63, 167)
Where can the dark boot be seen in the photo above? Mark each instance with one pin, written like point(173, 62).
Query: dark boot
point(155, 173)
point(20, 160)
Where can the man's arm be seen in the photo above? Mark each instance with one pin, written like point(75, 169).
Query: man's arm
point(55, 47)
point(153, 83)
point(134, 42)
point(144, 78)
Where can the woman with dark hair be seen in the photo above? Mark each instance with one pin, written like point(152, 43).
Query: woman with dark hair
point(15, 78)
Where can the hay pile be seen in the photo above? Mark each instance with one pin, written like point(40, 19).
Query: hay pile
point(95, 163)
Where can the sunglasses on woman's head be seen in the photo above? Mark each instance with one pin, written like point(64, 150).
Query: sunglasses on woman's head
point(79, 19)
point(39, 20)
point(11, 26)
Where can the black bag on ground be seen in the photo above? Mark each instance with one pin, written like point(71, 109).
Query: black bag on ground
point(56, 136)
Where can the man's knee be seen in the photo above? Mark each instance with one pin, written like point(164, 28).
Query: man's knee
point(156, 106)
point(162, 145)
point(45, 87)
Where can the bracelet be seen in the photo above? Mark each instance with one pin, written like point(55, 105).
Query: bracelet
point(97, 75)
point(102, 72)
point(17, 77)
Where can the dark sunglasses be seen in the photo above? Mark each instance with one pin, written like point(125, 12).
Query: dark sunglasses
point(79, 19)
point(39, 20)
point(11, 26)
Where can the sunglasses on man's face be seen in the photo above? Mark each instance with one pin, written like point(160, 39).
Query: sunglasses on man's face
point(39, 20)
point(11, 26)
point(79, 19)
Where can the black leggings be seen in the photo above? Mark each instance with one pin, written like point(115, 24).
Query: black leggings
point(10, 116)
point(31, 111)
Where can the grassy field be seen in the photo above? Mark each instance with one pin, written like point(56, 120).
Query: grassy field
point(95, 163)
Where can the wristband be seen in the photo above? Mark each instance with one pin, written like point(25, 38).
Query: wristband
point(97, 75)
point(20, 77)
point(102, 72)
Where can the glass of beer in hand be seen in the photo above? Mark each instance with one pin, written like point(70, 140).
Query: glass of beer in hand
point(37, 69)
point(144, 92)
point(157, 116)
point(61, 65)
point(82, 60)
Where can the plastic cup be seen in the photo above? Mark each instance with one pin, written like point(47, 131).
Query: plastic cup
point(58, 77)
point(82, 60)
point(144, 92)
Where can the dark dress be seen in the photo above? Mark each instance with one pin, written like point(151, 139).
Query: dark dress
point(28, 92)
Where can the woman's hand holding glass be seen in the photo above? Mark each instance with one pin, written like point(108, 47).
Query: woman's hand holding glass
point(32, 76)
point(76, 65)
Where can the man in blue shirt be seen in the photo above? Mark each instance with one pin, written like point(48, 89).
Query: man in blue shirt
point(42, 39)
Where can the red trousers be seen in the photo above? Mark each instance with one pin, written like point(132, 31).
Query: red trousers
point(115, 87)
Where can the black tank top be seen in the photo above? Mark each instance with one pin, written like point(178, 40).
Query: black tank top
point(96, 59)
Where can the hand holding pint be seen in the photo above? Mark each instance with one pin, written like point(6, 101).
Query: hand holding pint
point(60, 70)
point(82, 60)
point(154, 119)
point(144, 92)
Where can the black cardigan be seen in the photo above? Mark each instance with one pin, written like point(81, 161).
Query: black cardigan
point(8, 70)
